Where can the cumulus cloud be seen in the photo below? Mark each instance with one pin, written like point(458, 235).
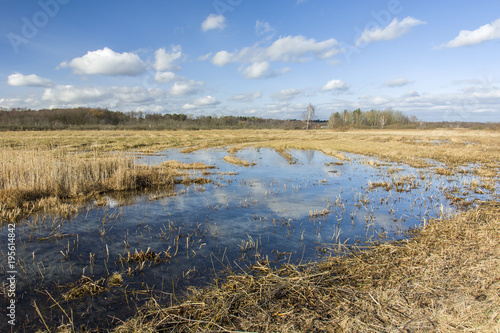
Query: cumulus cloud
point(400, 82)
point(207, 100)
point(201, 102)
point(247, 97)
point(222, 58)
point(32, 80)
point(106, 62)
point(286, 94)
point(184, 88)
point(394, 30)
point(213, 22)
point(108, 96)
point(292, 48)
point(482, 34)
point(164, 61)
point(164, 77)
point(285, 49)
point(336, 85)
point(256, 70)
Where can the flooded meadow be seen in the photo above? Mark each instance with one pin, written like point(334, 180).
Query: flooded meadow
point(93, 269)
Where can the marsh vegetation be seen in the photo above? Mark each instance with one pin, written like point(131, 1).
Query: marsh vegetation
point(139, 231)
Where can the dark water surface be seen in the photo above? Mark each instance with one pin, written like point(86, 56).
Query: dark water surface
point(273, 211)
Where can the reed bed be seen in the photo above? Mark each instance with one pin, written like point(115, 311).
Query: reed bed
point(34, 180)
point(443, 279)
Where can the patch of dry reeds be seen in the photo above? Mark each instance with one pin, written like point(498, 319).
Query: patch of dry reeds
point(33, 180)
point(444, 279)
point(235, 160)
point(187, 166)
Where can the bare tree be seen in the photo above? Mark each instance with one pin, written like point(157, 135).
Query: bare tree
point(308, 115)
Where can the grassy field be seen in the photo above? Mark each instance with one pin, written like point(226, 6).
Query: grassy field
point(445, 278)
point(451, 146)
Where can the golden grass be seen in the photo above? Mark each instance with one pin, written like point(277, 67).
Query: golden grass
point(444, 279)
point(187, 166)
point(450, 146)
point(236, 161)
point(38, 180)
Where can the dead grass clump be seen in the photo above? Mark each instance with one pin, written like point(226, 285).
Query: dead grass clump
point(444, 171)
point(187, 166)
point(444, 279)
point(317, 213)
point(236, 161)
point(147, 256)
point(115, 279)
point(385, 185)
point(85, 287)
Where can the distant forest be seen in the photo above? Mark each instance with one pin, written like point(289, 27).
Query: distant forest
point(98, 118)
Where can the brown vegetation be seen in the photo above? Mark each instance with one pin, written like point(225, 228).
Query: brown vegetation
point(444, 279)
point(48, 180)
point(236, 161)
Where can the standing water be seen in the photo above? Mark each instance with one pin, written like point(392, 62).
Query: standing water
point(97, 267)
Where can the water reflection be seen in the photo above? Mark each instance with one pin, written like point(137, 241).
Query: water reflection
point(245, 214)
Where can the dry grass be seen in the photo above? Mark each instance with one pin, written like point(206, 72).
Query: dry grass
point(37, 180)
point(236, 161)
point(187, 166)
point(444, 279)
point(84, 287)
point(450, 146)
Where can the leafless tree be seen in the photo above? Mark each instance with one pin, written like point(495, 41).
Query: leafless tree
point(308, 115)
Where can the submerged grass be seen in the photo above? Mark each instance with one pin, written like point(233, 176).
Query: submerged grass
point(445, 278)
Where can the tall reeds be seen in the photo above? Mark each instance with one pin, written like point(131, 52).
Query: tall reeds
point(27, 176)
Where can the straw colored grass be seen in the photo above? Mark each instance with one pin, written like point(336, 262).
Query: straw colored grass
point(444, 279)
point(34, 180)
point(450, 146)
point(235, 160)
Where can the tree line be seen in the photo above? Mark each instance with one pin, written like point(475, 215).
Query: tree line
point(372, 119)
point(102, 118)
point(99, 118)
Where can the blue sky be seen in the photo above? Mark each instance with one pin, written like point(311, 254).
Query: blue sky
point(437, 60)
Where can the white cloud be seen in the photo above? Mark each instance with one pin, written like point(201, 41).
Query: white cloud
point(285, 49)
point(214, 22)
point(201, 102)
point(164, 61)
point(164, 77)
point(262, 28)
point(205, 56)
point(222, 58)
point(106, 62)
point(247, 97)
point(286, 94)
point(394, 30)
point(400, 82)
point(184, 88)
point(256, 70)
point(291, 48)
point(107, 96)
point(482, 34)
point(207, 100)
point(336, 85)
point(32, 80)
